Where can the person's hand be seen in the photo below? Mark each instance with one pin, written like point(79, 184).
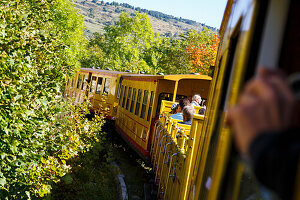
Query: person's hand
point(265, 105)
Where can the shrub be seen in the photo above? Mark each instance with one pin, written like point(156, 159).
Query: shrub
point(41, 42)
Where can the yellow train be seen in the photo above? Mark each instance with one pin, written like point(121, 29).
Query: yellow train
point(133, 100)
point(198, 161)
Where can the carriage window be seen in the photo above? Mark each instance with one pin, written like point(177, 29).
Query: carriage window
point(93, 86)
point(138, 102)
point(99, 85)
point(150, 105)
point(106, 87)
point(128, 98)
point(121, 93)
point(124, 97)
point(79, 81)
point(119, 88)
point(145, 98)
point(132, 100)
point(84, 82)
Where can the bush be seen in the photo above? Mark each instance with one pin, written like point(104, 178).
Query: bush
point(41, 42)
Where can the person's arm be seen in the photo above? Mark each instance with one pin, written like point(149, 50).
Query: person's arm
point(260, 121)
point(274, 157)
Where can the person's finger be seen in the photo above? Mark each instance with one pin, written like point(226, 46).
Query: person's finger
point(276, 80)
point(286, 99)
point(284, 94)
point(264, 72)
point(262, 90)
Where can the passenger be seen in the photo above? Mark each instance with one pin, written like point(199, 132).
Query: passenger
point(188, 112)
point(196, 100)
point(181, 105)
point(266, 125)
point(203, 103)
point(202, 111)
point(174, 108)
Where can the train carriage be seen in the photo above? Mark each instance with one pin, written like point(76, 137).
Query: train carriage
point(140, 101)
point(134, 100)
point(99, 86)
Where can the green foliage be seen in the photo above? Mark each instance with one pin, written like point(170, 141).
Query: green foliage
point(40, 43)
point(174, 59)
point(126, 41)
point(131, 44)
point(91, 177)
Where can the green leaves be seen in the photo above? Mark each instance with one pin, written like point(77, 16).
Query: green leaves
point(123, 45)
point(40, 44)
point(131, 44)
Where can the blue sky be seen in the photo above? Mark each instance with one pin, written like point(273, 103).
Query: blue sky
point(209, 12)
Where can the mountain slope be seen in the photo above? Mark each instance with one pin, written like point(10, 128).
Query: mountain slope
point(99, 13)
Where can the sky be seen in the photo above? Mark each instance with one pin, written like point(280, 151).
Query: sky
point(209, 12)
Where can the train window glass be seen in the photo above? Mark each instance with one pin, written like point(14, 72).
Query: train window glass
point(150, 105)
point(132, 100)
point(145, 98)
point(79, 81)
point(93, 86)
point(106, 87)
point(119, 87)
point(138, 102)
point(99, 85)
point(84, 82)
point(121, 93)
point(128, 98)
point(124, 97)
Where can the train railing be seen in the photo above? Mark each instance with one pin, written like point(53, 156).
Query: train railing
point(173, 151)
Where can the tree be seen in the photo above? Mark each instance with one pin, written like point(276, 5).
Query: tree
point(41, 42)
point(126, 41)
point(202, 50)
point(174, 59)
point(94, 55)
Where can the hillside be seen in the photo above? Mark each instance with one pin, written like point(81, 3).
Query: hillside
point(99, 13)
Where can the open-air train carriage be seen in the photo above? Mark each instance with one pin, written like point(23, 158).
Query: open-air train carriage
point(140, 101)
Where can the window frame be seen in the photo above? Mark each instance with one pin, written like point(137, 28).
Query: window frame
point(124, 97)
point(138, 102)
point(100, 89)
point(133, 100)
point(79, 81)
point(121, 95)
point(144, 104)
point(104, 92)
point(150, 105)
point(84, 82)
point(119, 88)
point(128, 98)
point(93, 86)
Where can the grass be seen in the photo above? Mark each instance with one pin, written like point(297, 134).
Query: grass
point(92, 178)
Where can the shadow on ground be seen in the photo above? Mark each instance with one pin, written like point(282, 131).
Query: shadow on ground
point(94, 177)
